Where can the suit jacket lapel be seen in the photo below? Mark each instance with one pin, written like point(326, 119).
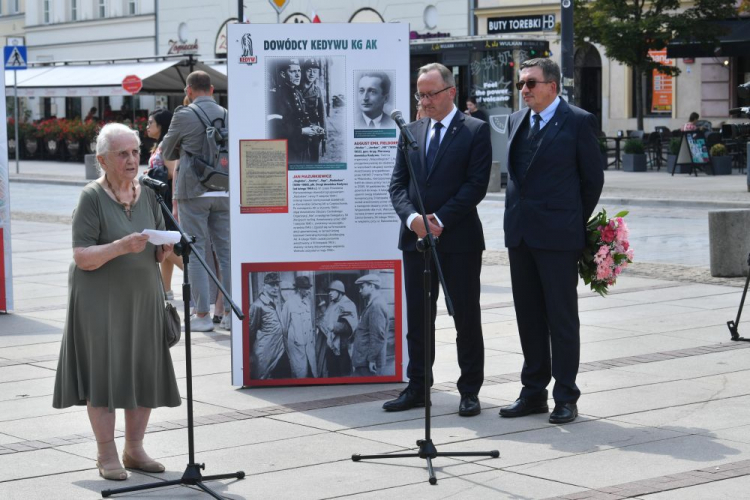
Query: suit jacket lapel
point(450, 133)
point(513, 136)
point(552, 129)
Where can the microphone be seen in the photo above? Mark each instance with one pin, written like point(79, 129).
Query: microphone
point(397, 117)
point(157, 186)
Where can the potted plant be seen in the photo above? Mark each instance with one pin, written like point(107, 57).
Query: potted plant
point(721, 162)
point(90, 131)
point(30, 134)
point(634, 157)
point(12, 136)
point(51, 135)
point(73, 133)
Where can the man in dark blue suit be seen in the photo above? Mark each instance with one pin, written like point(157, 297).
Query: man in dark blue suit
point(452, 169)
point(555, 179)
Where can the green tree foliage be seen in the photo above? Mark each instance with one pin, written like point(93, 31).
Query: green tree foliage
point(628, 29)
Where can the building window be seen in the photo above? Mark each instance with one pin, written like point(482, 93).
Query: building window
point(46, 10)
point(741, 75)
point(16, 6)
point(73, 10)
point(132, 7)
point(102, 8)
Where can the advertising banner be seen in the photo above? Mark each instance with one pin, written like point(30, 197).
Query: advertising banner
point(315, 263)
point(661, 97)
point(6, 277)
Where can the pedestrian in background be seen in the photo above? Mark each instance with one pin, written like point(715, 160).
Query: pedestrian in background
point(163, 170)
point(202, 213)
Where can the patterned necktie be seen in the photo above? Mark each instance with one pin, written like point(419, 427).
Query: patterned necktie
point(535, 127)
point(434, 146)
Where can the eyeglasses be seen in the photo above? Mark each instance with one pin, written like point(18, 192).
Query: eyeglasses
point(529, 83)
point(419, 96)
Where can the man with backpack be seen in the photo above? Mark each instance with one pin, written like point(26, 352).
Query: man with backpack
point(202, 209)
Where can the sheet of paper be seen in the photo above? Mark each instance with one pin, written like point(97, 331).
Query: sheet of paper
point(162, 237)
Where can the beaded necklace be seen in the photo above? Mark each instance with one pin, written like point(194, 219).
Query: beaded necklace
point(126, 207)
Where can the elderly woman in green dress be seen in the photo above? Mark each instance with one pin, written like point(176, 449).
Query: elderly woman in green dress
point(114, 353)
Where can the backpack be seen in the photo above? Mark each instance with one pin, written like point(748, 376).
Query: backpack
point(213, 172)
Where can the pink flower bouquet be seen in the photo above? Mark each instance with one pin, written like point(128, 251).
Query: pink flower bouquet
point(607, 251)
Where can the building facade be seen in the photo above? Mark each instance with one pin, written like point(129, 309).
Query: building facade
point(58, 30)
point(606, 88)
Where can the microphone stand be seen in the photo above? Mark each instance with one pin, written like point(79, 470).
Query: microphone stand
point(192, 475)
point(427, 246)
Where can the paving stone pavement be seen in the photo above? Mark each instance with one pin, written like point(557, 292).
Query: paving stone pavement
point(665, 411)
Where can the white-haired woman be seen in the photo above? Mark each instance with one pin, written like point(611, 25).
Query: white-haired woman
point(114, 353)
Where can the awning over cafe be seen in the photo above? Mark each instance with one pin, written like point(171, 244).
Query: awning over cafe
point(735, 43)
point(77, 79)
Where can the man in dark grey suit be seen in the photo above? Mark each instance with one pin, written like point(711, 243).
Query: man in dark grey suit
point(203, 214)
point(555, 179)
point(452, 169)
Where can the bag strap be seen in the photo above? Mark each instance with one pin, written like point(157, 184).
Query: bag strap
point(207, 122)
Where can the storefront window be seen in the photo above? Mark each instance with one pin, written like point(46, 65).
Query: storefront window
point(657, 94)
point(742, 75)
point(492, 78)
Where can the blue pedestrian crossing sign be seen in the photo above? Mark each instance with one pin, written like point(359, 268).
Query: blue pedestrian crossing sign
point(15, 57)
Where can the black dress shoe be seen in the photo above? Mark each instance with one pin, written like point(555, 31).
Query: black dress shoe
point(469, 405)
point(408, 399)
point(526, 406)
point(563, 413)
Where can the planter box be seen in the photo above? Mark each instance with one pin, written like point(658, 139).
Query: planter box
point(721, 165)
point(681, 168)
point(634, 163)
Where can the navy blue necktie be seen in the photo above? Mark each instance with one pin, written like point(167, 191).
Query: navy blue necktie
point(432, 150)
point(535, 126)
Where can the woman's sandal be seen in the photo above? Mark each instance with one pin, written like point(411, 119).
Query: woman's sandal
point(118, 474)
point(150, 466)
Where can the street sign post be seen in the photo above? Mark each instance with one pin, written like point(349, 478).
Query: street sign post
point(279, 6)
point(132, 84)
point(15, 58)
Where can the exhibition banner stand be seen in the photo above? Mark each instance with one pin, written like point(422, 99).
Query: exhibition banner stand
point(314, 235)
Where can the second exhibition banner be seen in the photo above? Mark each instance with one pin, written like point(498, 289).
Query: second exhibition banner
point(314, 258)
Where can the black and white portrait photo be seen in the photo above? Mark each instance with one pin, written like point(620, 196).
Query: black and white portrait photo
point(374, 99)
point(321, 324)
point(305, 106)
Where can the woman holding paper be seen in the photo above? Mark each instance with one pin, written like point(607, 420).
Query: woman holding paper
point(114, 353)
